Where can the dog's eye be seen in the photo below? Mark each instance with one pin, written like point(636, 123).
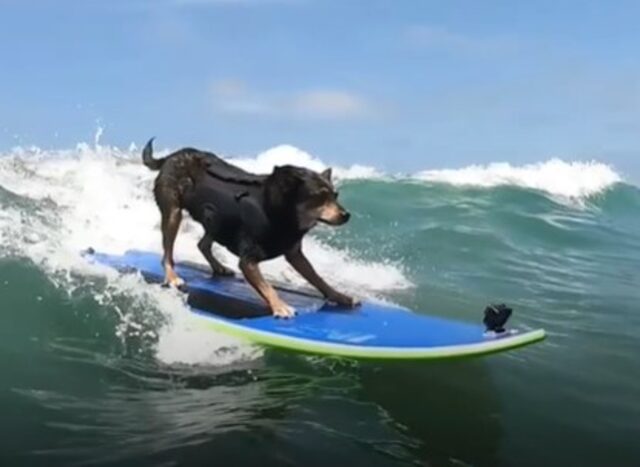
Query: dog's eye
point(318, 199)
point(336, 194)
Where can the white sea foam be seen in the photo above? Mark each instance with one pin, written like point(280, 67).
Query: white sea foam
point(101, 196)
point(286, 154)
point(572, 180)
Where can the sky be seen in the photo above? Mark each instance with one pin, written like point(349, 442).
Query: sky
point(398, 84)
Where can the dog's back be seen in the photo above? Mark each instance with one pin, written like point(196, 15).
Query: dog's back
point(193, 163)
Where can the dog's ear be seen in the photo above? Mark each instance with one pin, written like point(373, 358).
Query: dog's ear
point(327, 174)
point(280, 185)
point(285, 172)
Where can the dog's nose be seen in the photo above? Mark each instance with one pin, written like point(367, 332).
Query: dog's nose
point(345, 216)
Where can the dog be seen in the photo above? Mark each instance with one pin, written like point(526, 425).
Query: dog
point(256, 217)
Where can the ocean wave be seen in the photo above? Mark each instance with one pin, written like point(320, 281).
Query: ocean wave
point(571, 180)
point(99, 196)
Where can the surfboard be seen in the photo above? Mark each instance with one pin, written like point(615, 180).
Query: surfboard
point(372, 331)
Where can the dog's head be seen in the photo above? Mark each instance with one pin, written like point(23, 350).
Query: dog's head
point(307, 195)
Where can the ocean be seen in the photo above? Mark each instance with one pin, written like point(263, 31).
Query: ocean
point(101, 369)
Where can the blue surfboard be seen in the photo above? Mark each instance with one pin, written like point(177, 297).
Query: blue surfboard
point(371, 331)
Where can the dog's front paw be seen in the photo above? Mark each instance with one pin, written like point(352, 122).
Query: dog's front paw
point(282, 310)
point(343, 300)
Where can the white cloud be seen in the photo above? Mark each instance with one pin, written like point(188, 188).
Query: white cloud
point(329, 104)
point(232, 96)
point(229, 88)
point(235, 97)
point(438, 37)
point(230, 2)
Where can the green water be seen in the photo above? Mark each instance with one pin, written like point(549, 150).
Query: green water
point(81, 385)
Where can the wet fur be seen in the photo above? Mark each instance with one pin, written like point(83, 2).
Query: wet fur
point(256, 217)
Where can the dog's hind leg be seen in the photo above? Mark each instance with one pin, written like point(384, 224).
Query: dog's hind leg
point(171, 218)
point(218, 269)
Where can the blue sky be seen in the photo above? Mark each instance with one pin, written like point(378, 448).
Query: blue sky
point(402, 85)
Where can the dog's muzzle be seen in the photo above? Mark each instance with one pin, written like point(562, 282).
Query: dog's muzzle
point(342, 218)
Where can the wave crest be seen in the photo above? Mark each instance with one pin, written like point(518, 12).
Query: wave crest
point(556, 177)
point(284, 154)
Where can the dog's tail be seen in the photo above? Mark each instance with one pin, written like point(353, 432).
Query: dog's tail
point(147, 157)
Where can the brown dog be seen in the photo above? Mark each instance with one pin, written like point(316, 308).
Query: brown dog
point(256, 217)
